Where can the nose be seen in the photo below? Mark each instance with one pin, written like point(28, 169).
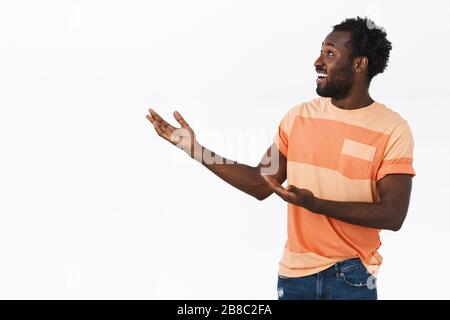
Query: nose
point(318, 63)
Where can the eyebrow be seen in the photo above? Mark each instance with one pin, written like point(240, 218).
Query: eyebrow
point(329, 44)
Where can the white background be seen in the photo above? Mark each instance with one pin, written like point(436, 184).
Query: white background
point(93, 204)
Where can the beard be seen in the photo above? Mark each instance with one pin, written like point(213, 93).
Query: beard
point(338, 88)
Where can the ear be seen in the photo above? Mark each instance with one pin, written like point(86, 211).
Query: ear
point(360, 64)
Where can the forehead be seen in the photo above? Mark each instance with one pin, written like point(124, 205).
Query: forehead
point(338, 39)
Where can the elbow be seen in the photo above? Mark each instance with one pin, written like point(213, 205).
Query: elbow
point(261, 197)
point(395, 225)
point(394, 218)
point(262, 194)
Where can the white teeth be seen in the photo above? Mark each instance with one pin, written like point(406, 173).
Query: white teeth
point(322, 75)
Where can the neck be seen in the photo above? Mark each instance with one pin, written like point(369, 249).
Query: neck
point(356, 100)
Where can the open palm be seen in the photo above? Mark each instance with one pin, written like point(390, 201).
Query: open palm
point(183, 137)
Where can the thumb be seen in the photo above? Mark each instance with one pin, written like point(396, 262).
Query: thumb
point(291, 188)
point(181, 120)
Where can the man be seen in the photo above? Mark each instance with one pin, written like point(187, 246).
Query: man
point(348, 163)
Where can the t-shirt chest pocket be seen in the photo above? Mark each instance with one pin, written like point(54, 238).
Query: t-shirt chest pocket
point(356, 159)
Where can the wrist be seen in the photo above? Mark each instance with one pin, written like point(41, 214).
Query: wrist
point(314, 205)
point(196, 152)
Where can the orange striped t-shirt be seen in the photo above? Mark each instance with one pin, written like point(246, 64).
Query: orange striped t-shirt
point(339, 155)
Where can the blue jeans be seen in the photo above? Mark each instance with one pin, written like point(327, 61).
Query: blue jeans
point(346, 280)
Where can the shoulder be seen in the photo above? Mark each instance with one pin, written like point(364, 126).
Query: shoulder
point(315, 104)
point(390, 120)
point(389, 114)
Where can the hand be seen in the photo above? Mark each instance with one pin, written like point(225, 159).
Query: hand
point(183, 138)
point(292, 194)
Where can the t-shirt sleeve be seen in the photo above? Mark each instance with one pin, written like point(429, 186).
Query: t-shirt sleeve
point(281, 138)
point(398, 154)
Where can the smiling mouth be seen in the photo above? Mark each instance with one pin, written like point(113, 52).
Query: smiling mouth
point(321, 77)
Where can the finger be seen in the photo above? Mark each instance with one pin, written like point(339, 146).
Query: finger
point(164, 126)
point(156, 123)
point(159, 130)
point(276, 187)
point(271, 181)
point(157, 117)
point(181, 120)
point(166, 130)
point(291, 188)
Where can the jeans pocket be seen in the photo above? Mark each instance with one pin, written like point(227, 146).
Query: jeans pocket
point(359, 278)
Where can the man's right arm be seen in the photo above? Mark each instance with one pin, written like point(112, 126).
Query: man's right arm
point(243, 177)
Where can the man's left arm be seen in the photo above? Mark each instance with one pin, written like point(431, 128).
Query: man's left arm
point(389, 213)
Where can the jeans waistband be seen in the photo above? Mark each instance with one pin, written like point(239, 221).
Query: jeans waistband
point(343, 266)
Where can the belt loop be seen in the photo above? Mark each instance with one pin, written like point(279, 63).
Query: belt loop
point(336, 269)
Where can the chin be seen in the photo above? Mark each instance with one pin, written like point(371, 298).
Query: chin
point(321, 92)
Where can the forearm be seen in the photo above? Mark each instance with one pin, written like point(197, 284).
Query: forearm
point(367, 214)
point(241, 176)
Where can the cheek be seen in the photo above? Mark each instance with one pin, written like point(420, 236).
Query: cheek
point(332, 71)
point(334, 65)
point(340, 70)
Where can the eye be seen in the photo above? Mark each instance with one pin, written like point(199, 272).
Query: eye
point(329, 53)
